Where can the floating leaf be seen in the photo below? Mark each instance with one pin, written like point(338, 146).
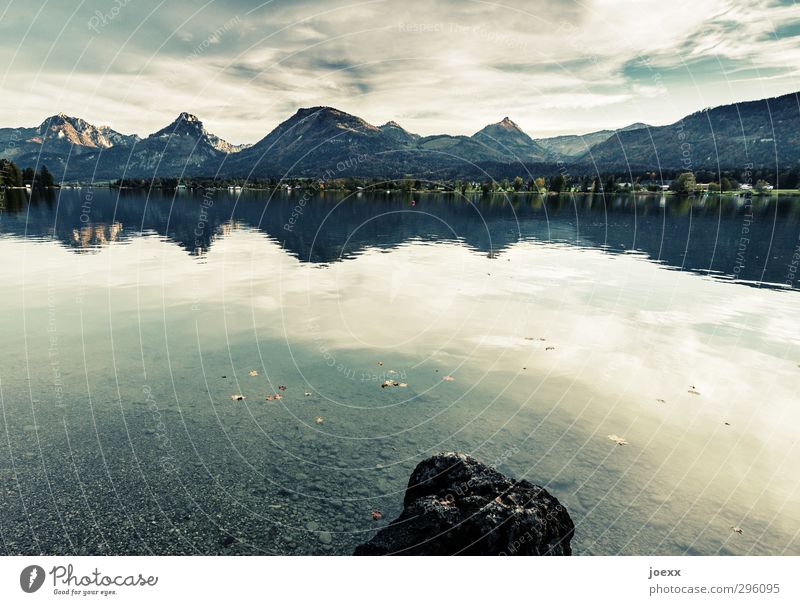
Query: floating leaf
point(319, 420)
point(618, 440)
point(282, 387)
point(660, 401)
point(278, 396)
point(376, 515)
point(307, 393)
point(549, 348)
point(448, 378)
point(270, 397)
point(238, 397)
point(253, 373)
point(736, 529)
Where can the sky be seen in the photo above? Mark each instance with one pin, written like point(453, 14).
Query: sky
point(434, 66)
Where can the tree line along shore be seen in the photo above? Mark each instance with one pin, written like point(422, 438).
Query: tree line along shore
point(760, 182)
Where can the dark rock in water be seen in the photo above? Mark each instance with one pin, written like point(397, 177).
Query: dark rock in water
point(454, 505)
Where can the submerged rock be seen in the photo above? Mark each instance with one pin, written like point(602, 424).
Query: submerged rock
point(454, 505)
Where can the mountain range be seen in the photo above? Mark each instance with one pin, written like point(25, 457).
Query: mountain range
point(324, 142)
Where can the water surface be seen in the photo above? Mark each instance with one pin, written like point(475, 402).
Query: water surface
point(131, 319)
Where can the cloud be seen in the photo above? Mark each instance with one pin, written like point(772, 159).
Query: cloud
point(435, 66)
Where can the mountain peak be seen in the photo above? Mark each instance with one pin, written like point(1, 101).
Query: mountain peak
point(320, 110)
point(68, 132)
point(634, 126)
point(323, 116)
point(509, 139)
point(189, 125)
point(184, 124)
point(62, 118)
point(394, 131)
point(327, 112)
point(186, 119)
point(509, 124)
point(506, 125)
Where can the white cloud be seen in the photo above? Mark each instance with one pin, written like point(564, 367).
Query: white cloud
point(434, 66)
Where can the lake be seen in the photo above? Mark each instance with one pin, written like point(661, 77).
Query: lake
point(130, 321)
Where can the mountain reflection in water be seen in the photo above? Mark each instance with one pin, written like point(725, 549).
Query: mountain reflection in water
point(752, 240)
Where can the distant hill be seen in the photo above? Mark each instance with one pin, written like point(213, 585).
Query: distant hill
point(571, 146)
point(763, 133)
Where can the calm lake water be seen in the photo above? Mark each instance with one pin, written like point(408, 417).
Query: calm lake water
point(129, 322)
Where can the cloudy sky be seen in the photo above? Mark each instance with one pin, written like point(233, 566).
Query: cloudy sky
point(433, 65)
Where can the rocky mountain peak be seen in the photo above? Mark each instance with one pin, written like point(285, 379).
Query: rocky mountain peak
point(189, 125)
point(508, 124)
point(62, 119)
point(69, 130)
point(185, 123)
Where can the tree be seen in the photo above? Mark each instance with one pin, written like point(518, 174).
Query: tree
point(518, 183)
point(761, 185)
point(539, 184)
point(10, 175)
point(557, 184)
point(683, 183)
point(45, 178)
point(725, 184)
point(28, 176)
